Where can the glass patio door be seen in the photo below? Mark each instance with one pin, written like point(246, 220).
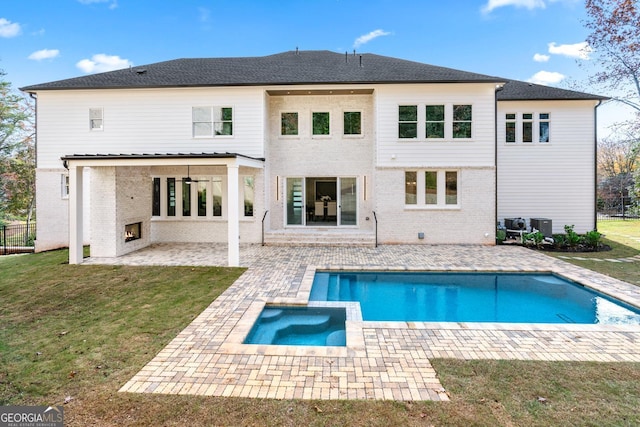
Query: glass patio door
point(295, 201)
point(348, 201)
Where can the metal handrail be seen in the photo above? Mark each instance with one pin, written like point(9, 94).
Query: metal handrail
point(263, 218)
point(375, 218)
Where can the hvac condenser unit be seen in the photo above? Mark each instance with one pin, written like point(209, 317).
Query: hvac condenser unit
point(543, 225)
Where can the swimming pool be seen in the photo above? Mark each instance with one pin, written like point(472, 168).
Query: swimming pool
point(471, 297)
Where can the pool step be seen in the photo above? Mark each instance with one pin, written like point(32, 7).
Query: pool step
point(337, 338)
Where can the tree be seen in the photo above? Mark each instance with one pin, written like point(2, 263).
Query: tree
point(615, 40)
point(17, 153)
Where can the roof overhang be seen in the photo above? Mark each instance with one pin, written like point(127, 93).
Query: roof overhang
point(163, 159)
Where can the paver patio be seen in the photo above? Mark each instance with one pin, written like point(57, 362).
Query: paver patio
point(382, 360)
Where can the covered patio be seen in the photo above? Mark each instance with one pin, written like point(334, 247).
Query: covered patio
point(121, 196)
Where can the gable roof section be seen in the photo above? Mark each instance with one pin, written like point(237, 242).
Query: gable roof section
point(287, 68)
point(299, 68)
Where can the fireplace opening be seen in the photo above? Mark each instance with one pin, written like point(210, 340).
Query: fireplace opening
point(132, 231)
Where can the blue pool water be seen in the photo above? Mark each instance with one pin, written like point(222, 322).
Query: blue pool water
point(471, 297)
point(314, 326)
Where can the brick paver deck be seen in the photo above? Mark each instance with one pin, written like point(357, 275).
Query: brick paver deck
point(382, 360)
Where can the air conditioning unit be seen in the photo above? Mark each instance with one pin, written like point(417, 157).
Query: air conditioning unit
point(543, 225)
point(515, 223)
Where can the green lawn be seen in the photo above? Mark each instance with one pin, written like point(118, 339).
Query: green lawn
point(624, 238)
point(80, 332)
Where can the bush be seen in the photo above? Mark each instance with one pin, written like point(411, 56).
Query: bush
point(572, 238)
point(592, 239)
point(533, 239)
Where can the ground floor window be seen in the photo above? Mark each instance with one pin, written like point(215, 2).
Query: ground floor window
point(431, 188)
point(321, 201)
point(201, 196)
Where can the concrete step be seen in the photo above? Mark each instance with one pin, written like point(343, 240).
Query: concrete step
point(320, 238)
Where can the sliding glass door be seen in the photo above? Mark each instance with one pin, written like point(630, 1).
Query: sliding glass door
point(348, 202)
point(321, 201)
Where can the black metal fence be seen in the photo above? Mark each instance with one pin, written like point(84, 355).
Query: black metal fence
point(617, 209)
point(17, 238)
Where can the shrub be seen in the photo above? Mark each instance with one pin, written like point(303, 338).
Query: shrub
point(533, 239)
point(592, 239)
point(572, 238)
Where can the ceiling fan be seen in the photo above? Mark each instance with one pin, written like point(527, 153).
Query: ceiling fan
point(188, 180)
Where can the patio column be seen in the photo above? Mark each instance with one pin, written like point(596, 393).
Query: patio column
point(75, 215)
point(233, 217)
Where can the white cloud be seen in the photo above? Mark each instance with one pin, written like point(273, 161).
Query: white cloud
point(546, 78)
point(529, 4)
point(100, 63)
point(113, 3)
point(580, 50)
point(44, 54)
point(9, 29)
point(368, 37)
point(538, 57)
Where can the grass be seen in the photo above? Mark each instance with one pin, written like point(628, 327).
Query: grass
point(620, 236)
point(80, 332)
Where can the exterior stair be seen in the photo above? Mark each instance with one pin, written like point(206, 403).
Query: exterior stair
point(320, 237)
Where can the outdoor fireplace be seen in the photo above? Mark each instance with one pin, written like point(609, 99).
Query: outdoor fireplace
point(132, 231)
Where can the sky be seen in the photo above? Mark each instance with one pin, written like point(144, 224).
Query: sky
point(541, 41)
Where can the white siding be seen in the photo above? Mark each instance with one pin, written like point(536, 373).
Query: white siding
point(552, 180)
point(396, 152)
point(144, 121)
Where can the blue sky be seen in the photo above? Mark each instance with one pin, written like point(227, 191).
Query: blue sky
point(531, 40)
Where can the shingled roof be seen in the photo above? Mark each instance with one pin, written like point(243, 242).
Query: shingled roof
point(289, 68)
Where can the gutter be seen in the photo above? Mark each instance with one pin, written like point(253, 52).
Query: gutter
point(495, 153)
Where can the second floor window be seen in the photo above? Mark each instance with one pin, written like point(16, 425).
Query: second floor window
point(462, 121)
point(435, 121)
point(408, 121)
point(289, 124)
point(320, 122)
point(352, 123)
point(95, 119)
point(212, 121)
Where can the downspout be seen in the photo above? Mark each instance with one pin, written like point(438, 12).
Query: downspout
point(595, 165)
point(34, 96)
point(495, 154)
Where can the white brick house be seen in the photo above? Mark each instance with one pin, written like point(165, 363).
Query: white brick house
point(305, 146)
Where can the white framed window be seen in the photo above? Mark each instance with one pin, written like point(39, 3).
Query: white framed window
point(527, 128)
point(320, 123)
point(96, 119)
point(289, 124)
point(352, 123)
point(407, 121)
point(434, 121)
point(543, 127)
point(462, 123)
point(432, 188)
point(209, 122)
point(510, 127)
point(64, 186)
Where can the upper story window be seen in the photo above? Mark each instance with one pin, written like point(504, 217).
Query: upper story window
point(543, 127)
point(96, 120)
point(289, 124)
point(510, 127)
point(212, 121)
point(434, 121)
point(408, 121)
point(352, 123)
point(320, 123)
point(462, 121)
point(527, 127)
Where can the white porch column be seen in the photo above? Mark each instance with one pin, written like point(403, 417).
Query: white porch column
point(233, 215)
point(75, 215)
